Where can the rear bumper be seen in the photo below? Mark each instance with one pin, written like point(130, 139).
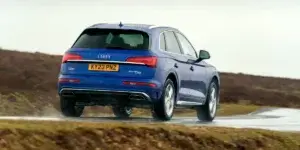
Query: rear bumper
point(101, 97)
point(108, 90)
point(69, 92)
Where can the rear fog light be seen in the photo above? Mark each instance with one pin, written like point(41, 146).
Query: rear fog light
point(139, 83)
point(68, 80)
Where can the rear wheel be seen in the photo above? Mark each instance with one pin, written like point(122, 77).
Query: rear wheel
point(69, 109)
point(208, 111)
point(122, 111)
point(164, 108)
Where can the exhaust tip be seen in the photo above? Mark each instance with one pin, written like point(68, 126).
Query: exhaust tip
point(67, 94)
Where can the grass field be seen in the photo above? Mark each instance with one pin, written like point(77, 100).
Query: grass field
point(21, 135)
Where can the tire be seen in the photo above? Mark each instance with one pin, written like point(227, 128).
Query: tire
point(122, 111)
point(69, 109)
point(205, 112)
point(164, 108)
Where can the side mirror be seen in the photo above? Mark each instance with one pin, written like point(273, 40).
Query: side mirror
point(203, 55)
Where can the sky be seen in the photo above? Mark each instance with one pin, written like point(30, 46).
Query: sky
point(249, 36)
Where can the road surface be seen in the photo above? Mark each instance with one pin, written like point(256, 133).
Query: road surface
point(282, 119)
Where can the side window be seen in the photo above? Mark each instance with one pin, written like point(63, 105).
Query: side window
point(186, 45)
point(171, 43)
point(162, 43)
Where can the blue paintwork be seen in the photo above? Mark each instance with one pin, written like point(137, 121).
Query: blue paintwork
point(192, 85)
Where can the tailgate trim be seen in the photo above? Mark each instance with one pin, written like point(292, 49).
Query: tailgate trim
point(105, 61)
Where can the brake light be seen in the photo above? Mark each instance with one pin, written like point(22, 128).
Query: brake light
point(69, 56)
point(148, 60)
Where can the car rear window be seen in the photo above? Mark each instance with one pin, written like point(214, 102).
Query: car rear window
point(113, 39)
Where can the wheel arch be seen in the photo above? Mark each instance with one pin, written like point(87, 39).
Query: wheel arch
point(174, 77)
point(216, 78)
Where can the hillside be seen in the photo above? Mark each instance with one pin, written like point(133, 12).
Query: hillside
point(34, 76)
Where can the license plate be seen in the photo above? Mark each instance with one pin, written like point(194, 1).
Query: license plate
point(104, 67)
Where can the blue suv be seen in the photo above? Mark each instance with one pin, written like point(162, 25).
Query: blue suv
point(137, 65)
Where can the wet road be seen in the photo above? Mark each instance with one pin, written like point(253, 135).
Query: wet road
point(282, 119)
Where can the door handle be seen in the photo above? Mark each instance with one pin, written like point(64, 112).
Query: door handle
point(192, 68)
point(175, 65)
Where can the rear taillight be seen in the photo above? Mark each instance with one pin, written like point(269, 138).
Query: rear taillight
point(70, 56)
point(148, 60)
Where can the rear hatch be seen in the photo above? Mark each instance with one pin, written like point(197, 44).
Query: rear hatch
point(110, 53)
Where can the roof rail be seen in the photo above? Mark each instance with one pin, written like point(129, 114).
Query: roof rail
point(154, 26)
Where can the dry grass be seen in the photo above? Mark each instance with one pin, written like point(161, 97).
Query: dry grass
point(28, 103)
point(21, 135)
point(260, 90)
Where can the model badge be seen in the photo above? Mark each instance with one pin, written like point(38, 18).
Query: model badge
point(135, 72)
point(71, 68)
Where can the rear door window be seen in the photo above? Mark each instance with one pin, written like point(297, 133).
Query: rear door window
point(171, 43)
point(113, 39)
point(162, 43)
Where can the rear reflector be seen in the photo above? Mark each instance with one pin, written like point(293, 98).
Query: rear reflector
point(147, 60)
point(69, 56)
point(68, 80)
point(139, 83)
